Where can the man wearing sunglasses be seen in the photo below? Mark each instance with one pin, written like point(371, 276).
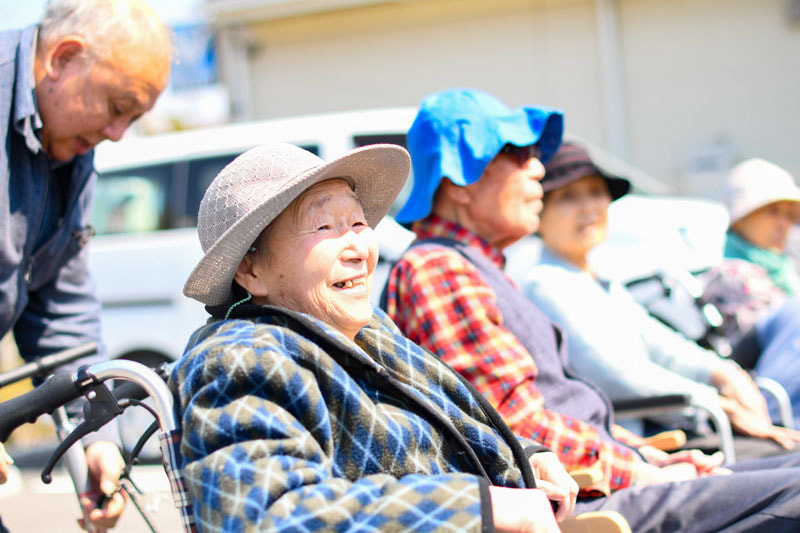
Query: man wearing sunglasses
point(477, 166)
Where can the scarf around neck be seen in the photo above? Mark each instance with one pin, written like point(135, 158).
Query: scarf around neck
point(779, 267)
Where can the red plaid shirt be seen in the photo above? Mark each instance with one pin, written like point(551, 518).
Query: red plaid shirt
point(440, 300)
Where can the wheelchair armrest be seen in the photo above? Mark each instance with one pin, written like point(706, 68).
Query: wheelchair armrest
point(596, 522)
point(667, 441)
point(638, 407)
point(723, 427)
point(781, 397)
point(586, 477)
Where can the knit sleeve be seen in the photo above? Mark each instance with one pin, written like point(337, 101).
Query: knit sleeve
point(258, 448)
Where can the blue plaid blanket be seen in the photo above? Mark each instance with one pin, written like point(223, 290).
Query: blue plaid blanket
point(289, 425)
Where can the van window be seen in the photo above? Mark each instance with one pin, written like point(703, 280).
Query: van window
point(379, 138)
point(132, 201)
point(388, 138)
point(201, 172)
point(157, 197)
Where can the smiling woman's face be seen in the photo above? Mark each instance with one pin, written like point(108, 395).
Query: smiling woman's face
point(318, 258)
point(574, 218)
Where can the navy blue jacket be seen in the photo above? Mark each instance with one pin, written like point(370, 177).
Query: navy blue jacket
point(46, 294)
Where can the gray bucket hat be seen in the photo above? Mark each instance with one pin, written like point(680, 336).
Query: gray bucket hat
point(258, 185)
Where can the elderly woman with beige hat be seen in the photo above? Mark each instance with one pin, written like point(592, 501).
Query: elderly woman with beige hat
point(755, 276)
point(304, 408)
point(763, 202)
point(756, 287)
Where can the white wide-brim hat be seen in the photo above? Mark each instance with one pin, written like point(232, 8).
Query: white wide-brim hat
point(755, 183)
point(258, 185)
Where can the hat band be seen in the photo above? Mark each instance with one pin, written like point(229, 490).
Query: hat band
point(570, 168)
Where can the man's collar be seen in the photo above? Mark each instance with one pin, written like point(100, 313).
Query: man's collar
point(26, 113)
point(435, 226)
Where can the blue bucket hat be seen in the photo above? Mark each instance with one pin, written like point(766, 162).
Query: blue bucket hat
point(457, 132)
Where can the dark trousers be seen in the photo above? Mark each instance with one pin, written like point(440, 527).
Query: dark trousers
point(761, 495)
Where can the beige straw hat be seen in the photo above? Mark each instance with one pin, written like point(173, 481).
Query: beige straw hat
point(258, 185)
point(755, 183)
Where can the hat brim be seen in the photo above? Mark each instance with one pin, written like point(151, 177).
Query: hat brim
point(376, 173)
point(748, 207)
point(617, 186)
point(456, 133)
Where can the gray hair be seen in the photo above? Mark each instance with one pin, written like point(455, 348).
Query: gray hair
point(100, 22)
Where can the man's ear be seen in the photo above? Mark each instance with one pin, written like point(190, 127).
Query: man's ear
point(63, 53)
point(455, 193)
point(246, 277)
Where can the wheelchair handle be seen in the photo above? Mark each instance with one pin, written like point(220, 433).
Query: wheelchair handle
point(47, 397)
point(46, 364)
point(64, 388)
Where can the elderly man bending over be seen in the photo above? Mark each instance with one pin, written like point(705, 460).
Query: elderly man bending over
point(477, 167)
point(83, 75)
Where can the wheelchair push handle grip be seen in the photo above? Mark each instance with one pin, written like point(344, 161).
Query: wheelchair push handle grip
point(47, 397)
point(46, 364)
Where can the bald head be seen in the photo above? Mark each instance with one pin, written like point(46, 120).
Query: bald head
point(100, 64)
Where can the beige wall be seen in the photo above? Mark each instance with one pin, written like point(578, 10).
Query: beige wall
point(396, 54)
point(705, 72)
point(696, 73)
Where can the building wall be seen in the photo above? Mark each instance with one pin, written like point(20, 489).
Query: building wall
point(705, 80)
point(711, 74)
point(395, 54)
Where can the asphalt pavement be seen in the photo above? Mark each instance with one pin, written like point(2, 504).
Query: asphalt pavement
point(28, 505)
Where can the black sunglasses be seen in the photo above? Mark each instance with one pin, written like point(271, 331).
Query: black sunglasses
point(522, 153)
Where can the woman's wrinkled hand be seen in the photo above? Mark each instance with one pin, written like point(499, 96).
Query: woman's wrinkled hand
point(737, 385)
point(556, 483)
point(663, 467)
point(753, 425)
point(705, 464)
